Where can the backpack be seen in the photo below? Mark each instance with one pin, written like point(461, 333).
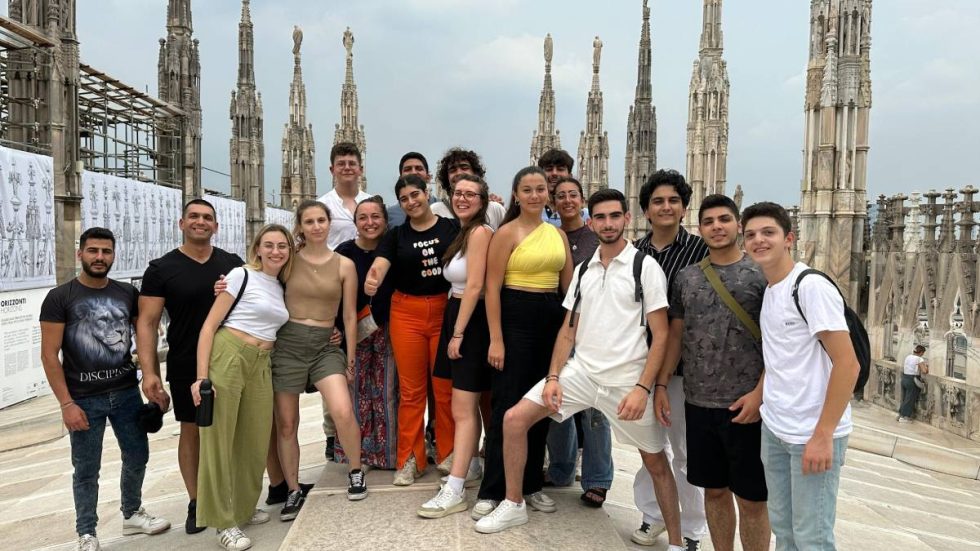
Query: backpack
point(859, 335)
point(637, 287)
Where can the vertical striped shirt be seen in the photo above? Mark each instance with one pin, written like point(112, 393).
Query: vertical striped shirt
point(686, 249)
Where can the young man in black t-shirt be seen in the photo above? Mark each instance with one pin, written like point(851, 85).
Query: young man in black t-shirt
point(182, 282)
point(90, 321)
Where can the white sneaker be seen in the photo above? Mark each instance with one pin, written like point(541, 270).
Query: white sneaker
point(647, 533)
point(904, 420)
point(541, 502)
point(675, 548)
point(407, 474)
point(258, 517)
point(483, 508)
point(87, 542)
point(473, 477)
point(445, 503)
point(507, 515)
point(142, 522)
point(233, 539)
point(446, 464)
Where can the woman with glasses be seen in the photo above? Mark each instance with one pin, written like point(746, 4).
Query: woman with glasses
point(465, 339)
point(413, 253)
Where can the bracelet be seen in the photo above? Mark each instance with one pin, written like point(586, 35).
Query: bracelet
point(643, 387)
point(68, 403)
point(660, 385)
point(551, 378)
point(456, 337)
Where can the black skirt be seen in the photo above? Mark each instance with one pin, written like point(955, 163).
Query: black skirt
point(471, 372)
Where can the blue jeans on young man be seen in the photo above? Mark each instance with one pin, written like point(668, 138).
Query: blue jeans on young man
point(119, 408)
point(802, 507)
point(597, 464)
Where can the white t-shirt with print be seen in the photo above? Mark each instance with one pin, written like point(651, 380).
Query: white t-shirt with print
point(912, 362)
point(797, 367)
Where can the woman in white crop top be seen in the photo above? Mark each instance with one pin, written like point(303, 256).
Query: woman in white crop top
point(465, 338)
point(233, 352)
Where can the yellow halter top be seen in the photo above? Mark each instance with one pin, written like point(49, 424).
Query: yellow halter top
point(537, 260)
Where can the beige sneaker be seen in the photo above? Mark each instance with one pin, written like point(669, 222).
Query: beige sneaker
point(445, 503)
point(647, 533)
point(407, 474)
point(483, 508)
point(446, 465)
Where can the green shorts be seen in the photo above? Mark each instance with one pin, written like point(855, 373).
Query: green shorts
point(302, 356)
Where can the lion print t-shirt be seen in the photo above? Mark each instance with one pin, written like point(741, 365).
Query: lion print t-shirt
point(98, 335)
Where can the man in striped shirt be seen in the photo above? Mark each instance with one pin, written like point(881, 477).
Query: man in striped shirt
point(664, 199)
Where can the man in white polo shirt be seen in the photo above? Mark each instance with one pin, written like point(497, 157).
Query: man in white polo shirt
point(613, 369)
point(345, 166)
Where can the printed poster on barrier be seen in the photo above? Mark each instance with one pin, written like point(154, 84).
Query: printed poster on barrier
point(26, 221)
point(21, 372)
point(282, 217)
point(231, 224)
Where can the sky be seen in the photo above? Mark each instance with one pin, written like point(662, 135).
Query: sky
point(432, 74)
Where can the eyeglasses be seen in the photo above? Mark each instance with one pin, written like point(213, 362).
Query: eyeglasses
point(567, 195)
point(468, 195)
point(270, 246)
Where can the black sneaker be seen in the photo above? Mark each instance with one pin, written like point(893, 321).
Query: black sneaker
point(294, 502)
point(357, 489)
point(190, 525)
point(331, 450)
point(692, 545)
point(305, 488)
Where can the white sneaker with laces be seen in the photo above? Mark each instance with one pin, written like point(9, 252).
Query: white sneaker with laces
point(445, 503)
point(259, 517)
point(407, 474)
point(675, 548)
point(647, 533)
point(142, 522)
point(233, 539)
point(483, 508)
point(87, 542)
point(539, 501)
point(507, 515)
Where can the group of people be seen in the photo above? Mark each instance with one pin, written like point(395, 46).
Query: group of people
point(537, 325)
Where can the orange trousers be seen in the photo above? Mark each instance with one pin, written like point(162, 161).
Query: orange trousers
point(415, 326)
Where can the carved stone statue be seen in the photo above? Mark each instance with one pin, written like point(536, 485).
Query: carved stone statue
point(349, 41)
point(549, 48)
point(297, 39)
point(596, 51)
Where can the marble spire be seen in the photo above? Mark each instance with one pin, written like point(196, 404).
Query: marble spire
point(247, 152)
point(298, 174)
point(348, 130)
point(179, 83)
point(641, 132)
point(707, 115)
point(593, 146)
point(546, 136)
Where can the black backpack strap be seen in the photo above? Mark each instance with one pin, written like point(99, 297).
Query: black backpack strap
point(241, 291)
point(796, 289)
point(638, 283)
point(578, 290)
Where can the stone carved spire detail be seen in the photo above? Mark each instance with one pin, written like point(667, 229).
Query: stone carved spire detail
point(837, 107)
point(348, 129)
point(641, 132)
point(247, 151)
point(298, 174)
point(593, 146)
point(546, 136)
point(707, 115)
point(179, 83)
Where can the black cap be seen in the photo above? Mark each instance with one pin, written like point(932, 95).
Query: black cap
point(149, 418)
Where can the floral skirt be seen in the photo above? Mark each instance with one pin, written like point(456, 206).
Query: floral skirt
point(375, 395)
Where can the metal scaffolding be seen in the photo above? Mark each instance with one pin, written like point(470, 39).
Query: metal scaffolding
point(25, 58)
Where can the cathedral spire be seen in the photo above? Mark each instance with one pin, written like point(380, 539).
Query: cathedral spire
point(707, 116)
point(179, 83)
point(641, 131)
point(298, 176)
point(247, 151)
point(593, 147)
point(546, 136)
point(348, 129)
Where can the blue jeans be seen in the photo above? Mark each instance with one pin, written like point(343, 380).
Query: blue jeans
point(597, 464)
point(120, 408)
point(802, 508)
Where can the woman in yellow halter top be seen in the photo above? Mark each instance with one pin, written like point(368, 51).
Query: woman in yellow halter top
point(529, 263)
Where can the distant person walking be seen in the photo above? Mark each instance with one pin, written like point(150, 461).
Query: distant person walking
point(915, 365)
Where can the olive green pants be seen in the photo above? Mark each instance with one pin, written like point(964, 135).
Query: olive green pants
point(234, 447)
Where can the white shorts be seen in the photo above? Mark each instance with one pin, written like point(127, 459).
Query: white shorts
point(580, 392)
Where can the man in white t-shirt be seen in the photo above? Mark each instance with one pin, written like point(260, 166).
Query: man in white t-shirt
point(345, 166)
point(915, 365)
point(613, 369)
point(811, 369)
